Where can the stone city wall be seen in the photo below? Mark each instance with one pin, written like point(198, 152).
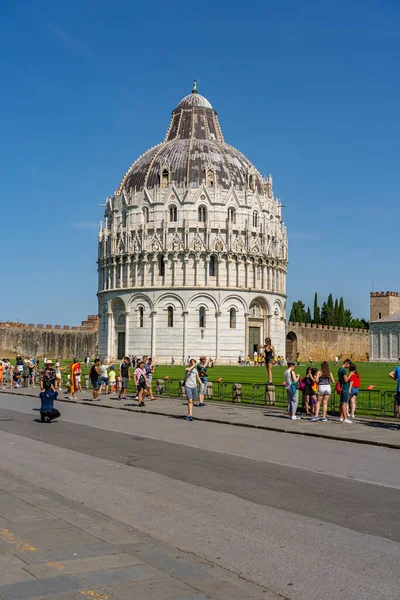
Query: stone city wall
point(46, 340)
point(324, 342)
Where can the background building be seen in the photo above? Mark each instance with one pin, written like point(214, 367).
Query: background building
point(193, 252)
point(384, 326)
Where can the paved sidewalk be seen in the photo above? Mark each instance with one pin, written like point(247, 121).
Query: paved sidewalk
point(55, 549)
point(364, 430)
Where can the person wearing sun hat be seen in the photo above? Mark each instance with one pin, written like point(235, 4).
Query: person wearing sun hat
point(48, 378)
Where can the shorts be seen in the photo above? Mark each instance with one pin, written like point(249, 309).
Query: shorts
point(344, 396)
point(191, 393)
point(397, 398)
point(141, 386)
point(78, 379)
point(58, 375)
point(112, 382)
point(149, 379)
point(124, 382)
point(324, 390)
point(104, 380)
point(95, 384)
point(354, 392)
point(203, 388)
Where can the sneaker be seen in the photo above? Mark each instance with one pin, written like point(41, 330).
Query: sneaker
point(351, 416)
point(295, 418)
point(314, 419)
point(347, 421)
point(189, 419)
point(341, 419)
point(324, 419)
point(202, 404)
point(143, 404)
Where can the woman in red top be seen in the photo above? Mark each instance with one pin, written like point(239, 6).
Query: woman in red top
point(355, 382)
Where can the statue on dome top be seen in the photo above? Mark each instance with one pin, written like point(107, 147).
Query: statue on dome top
point(194, 90)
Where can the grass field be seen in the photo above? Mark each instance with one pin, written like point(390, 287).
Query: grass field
point(375, 374)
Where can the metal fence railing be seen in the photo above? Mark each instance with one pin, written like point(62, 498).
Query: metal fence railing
point(369, 402)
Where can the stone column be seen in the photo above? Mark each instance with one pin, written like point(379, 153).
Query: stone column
point(128, 272)
point(263, 283)
point(166, 281)
point(390, 345)
point(246, 274)
point(185, 268)
point(196, 270)
point(238, 262)
point(121, 272)
point(217, 316)
point(174, 263)
point(184, 315)
point(380, 344)
point(127, 315)
point(145, 264)
point(110, 336)
point(114, 274)
point(207, 267)
point(219, 261)
point(246, 333)
point(228, 272)
point(153, 335)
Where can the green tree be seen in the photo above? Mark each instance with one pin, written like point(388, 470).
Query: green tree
point(330, 310)
point(336, 313)
point(324, 314)
point(347, 318)
point(307, 317)
point(341, 315)
point(317, 312)
point(298, 312)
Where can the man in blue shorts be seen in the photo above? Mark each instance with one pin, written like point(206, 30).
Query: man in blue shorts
point(396, 376)
point(344, 379)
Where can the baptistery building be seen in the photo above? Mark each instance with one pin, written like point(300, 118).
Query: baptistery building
point(192, 253)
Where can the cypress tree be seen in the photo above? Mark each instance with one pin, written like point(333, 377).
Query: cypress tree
point(308, 318)
point(317, 312)
point(324, 314)
point(336, 313)
point(341, 315)
point(330, 310)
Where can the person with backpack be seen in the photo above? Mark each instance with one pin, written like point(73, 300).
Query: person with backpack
point(343, 388)
point(141, 382)
point(190, 384)
point(94, 375)
point(355, 381)
point(324, 379)
point(291, 384)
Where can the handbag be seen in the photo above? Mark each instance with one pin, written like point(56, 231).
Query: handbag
point(142, 380)
point(338, 387)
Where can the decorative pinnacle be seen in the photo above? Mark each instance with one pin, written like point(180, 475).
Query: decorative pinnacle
point(194, 90)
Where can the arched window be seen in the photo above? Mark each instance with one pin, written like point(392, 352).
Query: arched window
point(232, 215)
point(146, 214)
point(202, 317)
point(165, 178)
point(210, 178)
point(251, 183)
point(161, 266)
point(255, 219)
point(173, 213)
point(202, 214)
point(141, 316)
point(212, 266)
point(170, 321)
point(232, 318)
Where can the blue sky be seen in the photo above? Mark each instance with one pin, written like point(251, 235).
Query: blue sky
point(308, 91)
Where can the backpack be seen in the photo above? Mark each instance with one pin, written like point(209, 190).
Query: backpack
point(302, 384)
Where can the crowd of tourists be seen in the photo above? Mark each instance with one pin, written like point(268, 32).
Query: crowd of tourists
point(316, 387)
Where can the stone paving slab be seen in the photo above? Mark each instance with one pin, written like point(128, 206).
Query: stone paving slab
point(364, 430)
point(71, 563)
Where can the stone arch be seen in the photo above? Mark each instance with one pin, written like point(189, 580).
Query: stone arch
point(205, 297)
point(291, 346)
point(232, 302)
point(168, 296)
point(258, 323)
point(118, 332)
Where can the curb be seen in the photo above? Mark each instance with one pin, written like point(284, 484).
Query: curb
point(339, 438)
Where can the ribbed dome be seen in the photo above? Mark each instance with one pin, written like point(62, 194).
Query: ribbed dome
point(193, 146)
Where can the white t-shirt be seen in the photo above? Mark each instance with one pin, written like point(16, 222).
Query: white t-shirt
point(103, 370)
point(191, 381)
point(288, 377)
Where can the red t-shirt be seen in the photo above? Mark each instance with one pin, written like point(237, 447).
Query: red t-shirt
point(355, 380)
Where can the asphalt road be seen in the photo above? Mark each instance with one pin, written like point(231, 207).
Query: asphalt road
point(307, 518)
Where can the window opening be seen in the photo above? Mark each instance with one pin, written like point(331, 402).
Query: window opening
point(165, 178)
point(141, 315)
point(232, 318)
point(202, 214)
point(170, 316)
point(212, 266)
point(202, 317)
point(173, 214)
